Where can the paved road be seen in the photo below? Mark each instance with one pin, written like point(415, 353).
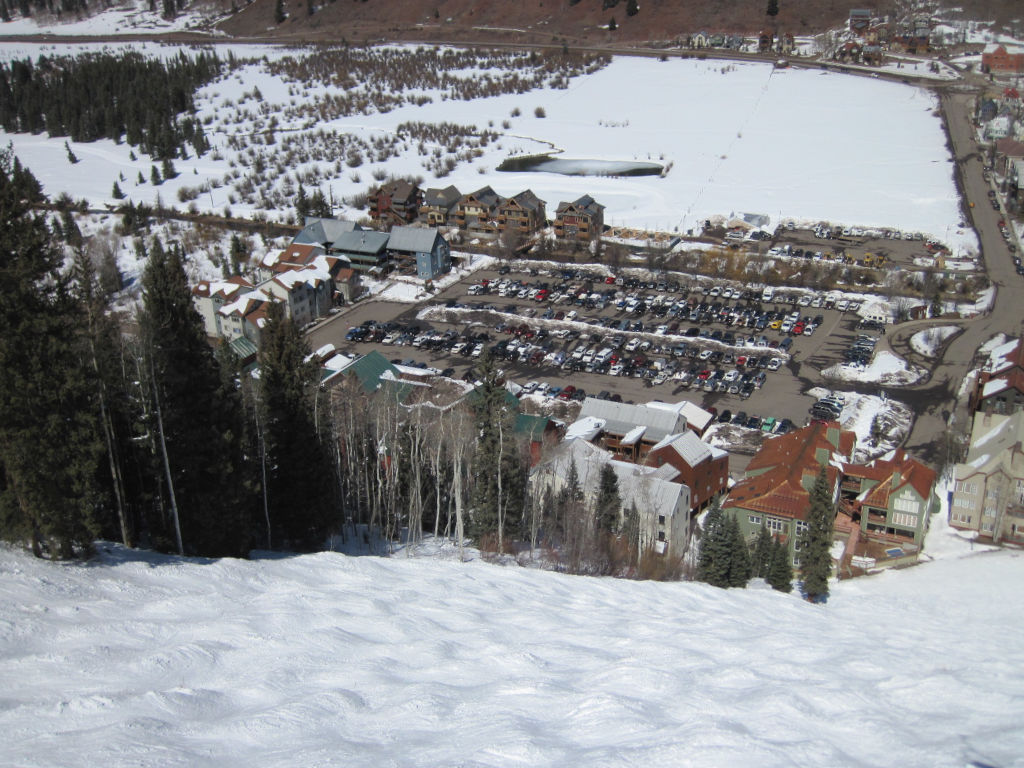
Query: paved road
point(934, 401)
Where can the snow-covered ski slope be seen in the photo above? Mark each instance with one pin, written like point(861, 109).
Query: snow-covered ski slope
point(328, 660)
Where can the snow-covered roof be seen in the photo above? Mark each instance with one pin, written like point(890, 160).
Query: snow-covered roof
point(586, 428)
point(623, 418)
point(994, 385)
point(633, 436)
point(993, 436)
point(649, 488)
point(689, 447)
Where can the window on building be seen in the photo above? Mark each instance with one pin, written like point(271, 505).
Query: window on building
point(776, 526)
point(904, 520)
point(661, 519)
point(906, 505)
point(802, 527)
point(754, 519)
point(661, 535)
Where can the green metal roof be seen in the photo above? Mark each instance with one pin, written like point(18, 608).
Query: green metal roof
point(243, 348)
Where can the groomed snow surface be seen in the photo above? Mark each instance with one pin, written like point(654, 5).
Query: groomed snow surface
point(145, 660)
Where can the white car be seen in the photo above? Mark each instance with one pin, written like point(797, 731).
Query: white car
point(842, 305)
point(615, 370)
point(731, 375)
point(704, 354)
point(774, 364)
point(632, 345)
point(572, 314)
point(529, 388)
point(662, 330)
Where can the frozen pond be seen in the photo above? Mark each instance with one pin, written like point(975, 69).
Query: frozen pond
point(579, 167)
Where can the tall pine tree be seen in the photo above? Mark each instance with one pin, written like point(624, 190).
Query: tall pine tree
point(608, 506)
point(499, 483)
point(780, 570)
point(50, 443)
point(761, 562)
point(195, 421)
point(816, 558)
point(301, 499)
point(739, 555)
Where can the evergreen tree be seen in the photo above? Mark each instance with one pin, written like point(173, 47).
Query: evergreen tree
point(279, 14)
point(816, 559)
point(713, 559)
point(301, 205)
point(72, 157)
point(612, 26)
point(116, 192)
point(299, 487)
point(195, 421)
point(632, 8)
point(141, 179)
point(168, 168)
point(761, 561)
point(780, 570)
point(935, 310)
point(49, 439)
point(499, 484)
point(318, 205)
point(773, 8)
point(154, 176)
point(239, 254)
point(739, 555)
point(609, 503)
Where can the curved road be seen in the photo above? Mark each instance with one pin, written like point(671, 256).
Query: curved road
point(935, 401)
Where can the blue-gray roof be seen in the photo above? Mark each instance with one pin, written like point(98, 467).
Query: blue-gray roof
point(320, 231)
point(413, 239)
point(361, 241)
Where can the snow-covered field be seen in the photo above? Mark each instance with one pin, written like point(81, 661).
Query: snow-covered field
point(144, 660)
point(737, 137)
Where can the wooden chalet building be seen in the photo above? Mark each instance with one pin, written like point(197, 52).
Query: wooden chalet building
point(582, 219)
point(477, 212)
point(395, 203)
point(438, 206)
point(523, 213)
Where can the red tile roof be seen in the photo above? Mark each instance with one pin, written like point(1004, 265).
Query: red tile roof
point(774, 482)
point(892, 475)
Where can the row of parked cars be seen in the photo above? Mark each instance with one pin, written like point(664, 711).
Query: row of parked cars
point(859, 353)
point(828, 408)
point(769, 424)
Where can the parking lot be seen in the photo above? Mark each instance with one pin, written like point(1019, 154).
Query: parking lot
point(748, 355)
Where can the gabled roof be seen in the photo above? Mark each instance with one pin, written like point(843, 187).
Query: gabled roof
point(413, 239)
point(485, 195)
point(890, 476)
point(696, 417)
point(323, 231)
point(225, 290)
point(648, 488)
point(994, 438)
point(442, 198)
point(585, 204)
point(370, 369)
point(776, 476)
point(1010, 147)
point(527, 200)
point(361, 242)
point(690, 448)
point(531, 426)
point(1006, 356)
point(623, 418)
point(399, 190)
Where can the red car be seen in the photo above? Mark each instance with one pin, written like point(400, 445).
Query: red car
point(566, 393)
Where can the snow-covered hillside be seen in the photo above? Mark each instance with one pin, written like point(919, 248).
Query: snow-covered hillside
point(144, 660)
point(735, 137)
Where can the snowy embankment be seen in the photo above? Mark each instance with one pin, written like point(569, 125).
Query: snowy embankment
point(139, 659)
point(884, 368)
